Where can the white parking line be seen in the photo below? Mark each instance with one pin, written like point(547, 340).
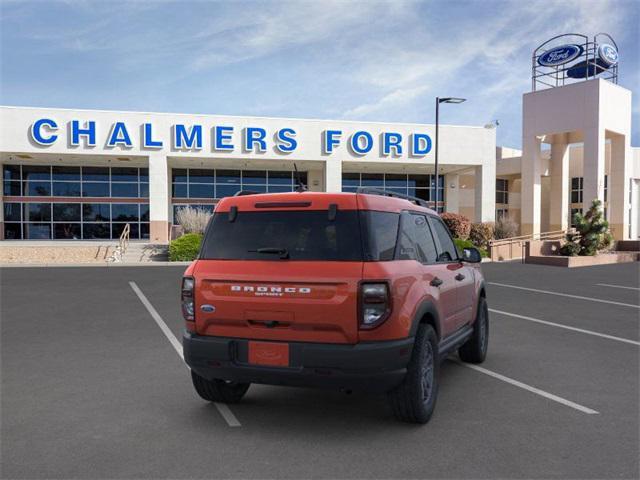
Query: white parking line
point(529, 388)
point(616, 286)
point(565, 295)
point(566, 327)
point(224, 410)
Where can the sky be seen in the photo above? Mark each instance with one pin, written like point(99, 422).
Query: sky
point(346, 60)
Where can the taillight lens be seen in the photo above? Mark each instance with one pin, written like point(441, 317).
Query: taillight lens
point(375, 304)
point(187, 298)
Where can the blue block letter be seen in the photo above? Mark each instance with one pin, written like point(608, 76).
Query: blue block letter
point(330, 140)
point(119, 136)
point(147, 138)
point(255, 135)
point(421, 144)
point(184, 139)
point(223, 135)
point(286, 140)
point(355, 142)
point(36, 131)
point(391, 140)
point(89, 131)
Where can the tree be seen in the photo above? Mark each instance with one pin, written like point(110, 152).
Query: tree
point(591, 235)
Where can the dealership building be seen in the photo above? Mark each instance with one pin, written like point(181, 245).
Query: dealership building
point(85, 174)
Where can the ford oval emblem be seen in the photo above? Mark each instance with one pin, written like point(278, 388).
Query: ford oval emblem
point(208, 308)
point(560, 55)
point(608, 54)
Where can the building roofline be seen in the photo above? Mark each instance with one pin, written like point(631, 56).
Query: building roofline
point(16, 107)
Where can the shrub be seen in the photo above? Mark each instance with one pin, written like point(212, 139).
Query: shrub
point(462, 244)
point(505, 227)
point(193, 220)
point(459, 225)
point(481, 233)
point(185, 248)
point(591, 235)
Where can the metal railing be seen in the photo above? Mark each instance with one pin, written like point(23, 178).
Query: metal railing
point(123, 244)
point(513, 244)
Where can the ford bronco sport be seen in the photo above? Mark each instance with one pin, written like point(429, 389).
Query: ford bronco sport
point(353, 291)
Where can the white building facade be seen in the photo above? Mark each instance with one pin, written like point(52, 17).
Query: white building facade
point(84, 174)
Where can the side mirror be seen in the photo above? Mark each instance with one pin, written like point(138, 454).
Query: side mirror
point(471, 255)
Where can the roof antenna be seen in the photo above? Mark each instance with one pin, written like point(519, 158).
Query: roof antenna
point(301, 186)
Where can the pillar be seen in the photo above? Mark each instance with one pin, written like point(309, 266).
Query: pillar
point(158, 198)
point(618, 188)
point(531, 186)
point(559, 195)
point(593, 167)
point(485, 192)
point(332, 175)
point(452, 192)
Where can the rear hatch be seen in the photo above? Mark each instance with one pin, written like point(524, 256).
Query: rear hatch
point(285, 270)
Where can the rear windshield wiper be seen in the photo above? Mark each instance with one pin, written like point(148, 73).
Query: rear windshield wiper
point(283, 252)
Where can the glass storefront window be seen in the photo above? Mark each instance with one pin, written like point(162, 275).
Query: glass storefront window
point(66, 189)
point(420, 186)
point(90, 189)
point(47, 220)
point(96, 212)
point(66, 173)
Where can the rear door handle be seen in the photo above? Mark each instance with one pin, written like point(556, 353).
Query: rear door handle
point(436, 282)
point(459, 277)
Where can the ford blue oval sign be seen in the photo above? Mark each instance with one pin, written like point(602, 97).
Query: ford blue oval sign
point(608, 54)
point(560, 55)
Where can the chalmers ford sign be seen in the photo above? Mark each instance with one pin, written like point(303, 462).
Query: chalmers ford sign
point(222, 138)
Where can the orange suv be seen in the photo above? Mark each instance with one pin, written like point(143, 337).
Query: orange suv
point(353, 291)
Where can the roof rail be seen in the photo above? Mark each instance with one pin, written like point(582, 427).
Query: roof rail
point(242, 193)
point(387, 193)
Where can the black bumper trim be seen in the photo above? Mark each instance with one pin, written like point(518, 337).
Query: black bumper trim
point(371, 366)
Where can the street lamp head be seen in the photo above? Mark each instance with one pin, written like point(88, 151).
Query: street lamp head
point(451, 100)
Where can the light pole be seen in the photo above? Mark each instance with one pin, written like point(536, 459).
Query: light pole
point(438, 102)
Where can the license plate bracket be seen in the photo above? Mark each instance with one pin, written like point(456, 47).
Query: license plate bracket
point(270, 354)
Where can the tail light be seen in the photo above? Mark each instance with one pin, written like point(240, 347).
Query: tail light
point(187, 298)
point(375, 304)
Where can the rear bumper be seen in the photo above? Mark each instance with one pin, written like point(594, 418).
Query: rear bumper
point(372, 367)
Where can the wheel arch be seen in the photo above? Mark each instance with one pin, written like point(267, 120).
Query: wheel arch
point(426, 314)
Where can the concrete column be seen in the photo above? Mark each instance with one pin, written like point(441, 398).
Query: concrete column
point(332, 175)
point(593, 167)
point(485, 192)
point(452, 192)
point(618, 188)
point(159, 198)
point(559, 195)
point(531, 186)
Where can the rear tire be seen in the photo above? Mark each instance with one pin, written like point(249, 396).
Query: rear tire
point(219, 390)
point(475, 349)
point(414, 400)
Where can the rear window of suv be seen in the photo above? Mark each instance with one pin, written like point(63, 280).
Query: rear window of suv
point(274, 235)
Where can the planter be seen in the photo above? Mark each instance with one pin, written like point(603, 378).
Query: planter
point(601, 259)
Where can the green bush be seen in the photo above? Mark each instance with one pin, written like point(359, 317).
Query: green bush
point(481, 234)
point(458, 225)
point(185, 248)
point(592, 233)
point(462, 244)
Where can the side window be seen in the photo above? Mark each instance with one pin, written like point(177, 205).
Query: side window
point(424, 240)
point(380, 233)
point(407, 241)
point(416, 242)
point(446, 248)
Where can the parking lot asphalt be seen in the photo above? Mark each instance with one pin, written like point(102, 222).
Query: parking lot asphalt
point(93, 388)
